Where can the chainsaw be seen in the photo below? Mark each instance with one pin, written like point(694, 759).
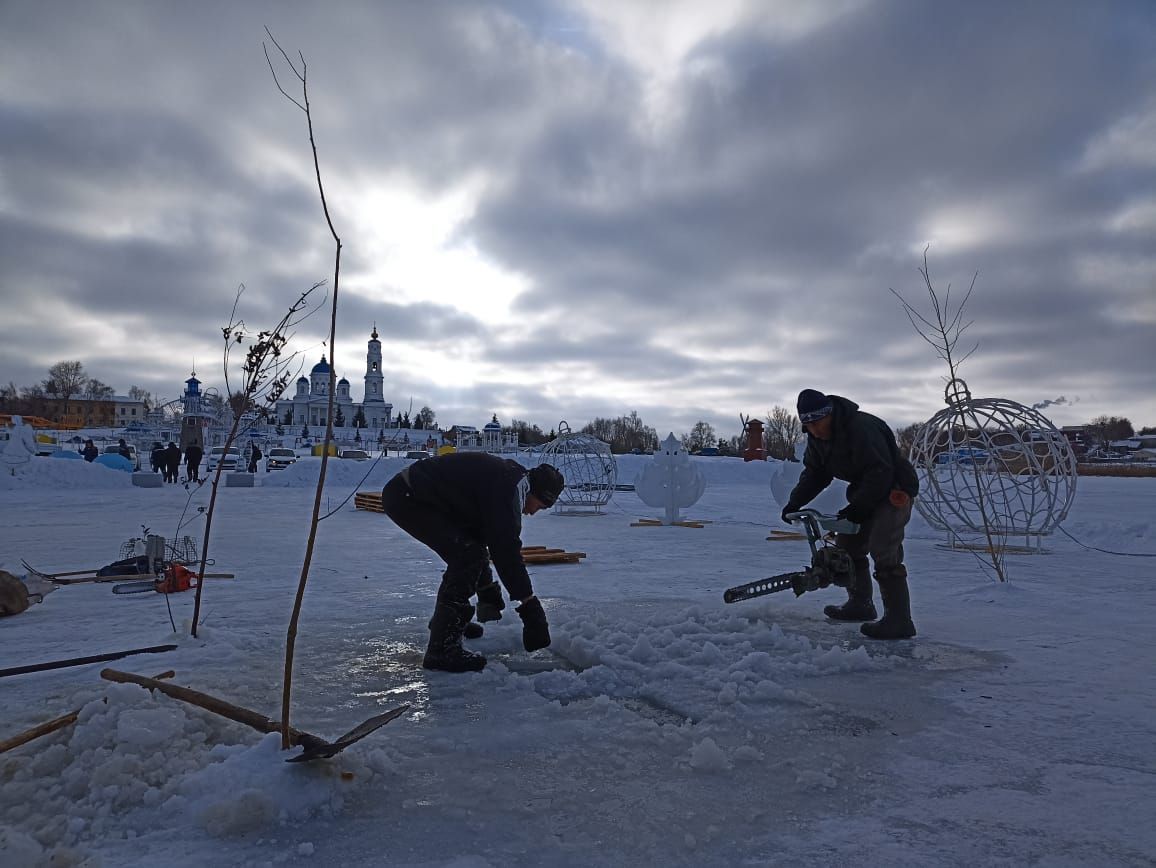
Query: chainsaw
point(830, 565)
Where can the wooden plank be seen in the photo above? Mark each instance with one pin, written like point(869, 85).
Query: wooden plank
point(368, 500)
point(780, 535)
point(569, 558)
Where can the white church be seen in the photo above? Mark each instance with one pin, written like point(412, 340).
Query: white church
point(311, 403)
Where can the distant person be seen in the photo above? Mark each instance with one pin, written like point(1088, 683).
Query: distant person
point(89, 451)
point(845, 443)
point(172, 462)
point(460, 505)
point(157, 458)
point(123, 450)
point(193, 456)
point(254, 456)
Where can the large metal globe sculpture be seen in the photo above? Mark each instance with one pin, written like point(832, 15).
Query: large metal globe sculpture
point(993, 466)
point(588, 466)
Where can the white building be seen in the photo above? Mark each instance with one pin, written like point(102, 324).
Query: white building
point(309, 407)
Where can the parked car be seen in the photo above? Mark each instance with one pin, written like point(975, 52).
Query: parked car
point(965, 456)
point(417, 454)
point(114, 449)
point(279, 458)
point(355, 454)
point(229, 459)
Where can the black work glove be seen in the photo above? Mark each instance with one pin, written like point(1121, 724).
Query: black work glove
point(850, 513)
point(787, 510)
point(535, 630)
point(490, 603)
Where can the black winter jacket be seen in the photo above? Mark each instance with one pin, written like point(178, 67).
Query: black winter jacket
point(478, 492)
point(862, 451)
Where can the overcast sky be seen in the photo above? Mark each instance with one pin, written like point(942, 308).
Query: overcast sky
point(556, 211)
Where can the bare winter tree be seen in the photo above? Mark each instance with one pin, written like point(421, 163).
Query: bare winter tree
point(905, 437)
point(701, 436)
point(783, 433)
point(142, 395)
point(943, 330)
point(65, 380)
point(95, 390)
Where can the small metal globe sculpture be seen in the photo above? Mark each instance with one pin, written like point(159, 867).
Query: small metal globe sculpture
point(993, 466)
point(588, 466)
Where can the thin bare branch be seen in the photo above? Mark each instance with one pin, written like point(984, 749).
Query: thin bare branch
point(291, 634)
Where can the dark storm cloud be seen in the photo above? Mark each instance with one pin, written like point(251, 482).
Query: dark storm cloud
point(822, 165)
point(693, 249)
point(407, 324)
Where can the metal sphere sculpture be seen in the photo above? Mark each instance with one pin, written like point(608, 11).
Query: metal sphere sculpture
point(588, 466)
point(991, 465)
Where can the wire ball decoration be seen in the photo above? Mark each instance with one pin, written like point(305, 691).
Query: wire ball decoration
point(991, 465)
point(588, 466)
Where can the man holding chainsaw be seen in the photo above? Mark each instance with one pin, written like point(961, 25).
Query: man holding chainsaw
point(845, 443)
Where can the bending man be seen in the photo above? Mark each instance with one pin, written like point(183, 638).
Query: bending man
point(460, 505)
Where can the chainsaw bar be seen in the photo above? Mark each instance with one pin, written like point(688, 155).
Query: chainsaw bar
point(143, 587)
point(785, 582)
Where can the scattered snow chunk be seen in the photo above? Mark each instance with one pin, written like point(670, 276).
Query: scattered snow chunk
point(706, 756)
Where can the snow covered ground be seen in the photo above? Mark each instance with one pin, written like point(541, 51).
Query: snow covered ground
point(661, 728)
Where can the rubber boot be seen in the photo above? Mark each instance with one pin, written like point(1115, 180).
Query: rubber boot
point(445, 651)
point(859, 605)
point(896, 622)
point(472, 630)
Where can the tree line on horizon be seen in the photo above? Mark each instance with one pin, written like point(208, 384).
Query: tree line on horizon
point(627, 433)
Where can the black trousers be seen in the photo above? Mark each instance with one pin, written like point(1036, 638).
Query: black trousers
point(881, 537)
point(466, 557)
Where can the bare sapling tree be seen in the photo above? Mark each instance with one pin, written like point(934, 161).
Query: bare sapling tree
point(265, 373)
point(300, 72)
point(943, 329)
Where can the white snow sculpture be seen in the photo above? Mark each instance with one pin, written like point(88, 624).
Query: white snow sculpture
point(588, 466)
point(992, 465)
point(20, 447)
point(670, 481)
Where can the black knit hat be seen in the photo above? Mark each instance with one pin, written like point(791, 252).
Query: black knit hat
point(546, 483)
point(813, 405)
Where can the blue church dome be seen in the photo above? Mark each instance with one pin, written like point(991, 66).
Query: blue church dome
point(321, 367)
point(302, 380)
point(343, 380)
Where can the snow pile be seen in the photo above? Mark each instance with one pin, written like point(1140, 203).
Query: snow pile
point(43, 472)
point(132, 756)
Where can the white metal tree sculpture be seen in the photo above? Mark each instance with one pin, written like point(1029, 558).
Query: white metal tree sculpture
point(670, 481)
point(993, 466)
point(588, 466)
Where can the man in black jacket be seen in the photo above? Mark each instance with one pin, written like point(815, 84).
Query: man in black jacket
point(468, 507)
point(845, 443)
point(193, 455)
point(172, 462)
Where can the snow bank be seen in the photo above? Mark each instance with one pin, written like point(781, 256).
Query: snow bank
point(43, 472)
